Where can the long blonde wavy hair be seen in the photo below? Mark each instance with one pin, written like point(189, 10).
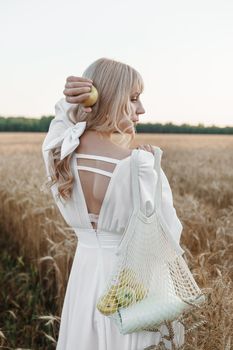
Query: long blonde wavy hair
point(115, 82)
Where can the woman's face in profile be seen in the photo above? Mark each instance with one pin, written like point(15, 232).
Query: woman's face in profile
point(136, 106)
point(137, 109)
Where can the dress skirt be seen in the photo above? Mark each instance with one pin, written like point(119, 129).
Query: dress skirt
point(82, 326)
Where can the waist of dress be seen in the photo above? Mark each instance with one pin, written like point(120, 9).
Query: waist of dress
point(90, 238)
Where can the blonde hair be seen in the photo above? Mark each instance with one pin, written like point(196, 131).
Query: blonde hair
point(115, 82)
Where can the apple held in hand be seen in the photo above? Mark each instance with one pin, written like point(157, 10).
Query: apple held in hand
point(91, 100)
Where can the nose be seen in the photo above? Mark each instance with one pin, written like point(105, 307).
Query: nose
point(140, 109)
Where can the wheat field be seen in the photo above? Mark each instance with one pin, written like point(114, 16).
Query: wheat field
point(37, 247)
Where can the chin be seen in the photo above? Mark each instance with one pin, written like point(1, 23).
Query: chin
point(132, 131)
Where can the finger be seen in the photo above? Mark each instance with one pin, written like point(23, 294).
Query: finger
point(77, 91)
point(69, 85)
point(77, 99)
point(87, 109)
point(151, 149)
point(146, 148)
point(74, 78)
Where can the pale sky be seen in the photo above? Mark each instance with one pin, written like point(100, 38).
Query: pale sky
point(182, 48)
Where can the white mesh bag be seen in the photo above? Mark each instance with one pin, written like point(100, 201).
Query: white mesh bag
point(150, 282)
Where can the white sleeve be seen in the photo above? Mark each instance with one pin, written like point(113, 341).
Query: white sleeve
point(147, 184)
point(57, 126)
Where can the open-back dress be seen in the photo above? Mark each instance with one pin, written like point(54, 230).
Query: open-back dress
point(82, 326)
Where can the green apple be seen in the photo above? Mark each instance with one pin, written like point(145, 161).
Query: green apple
point(140, 291)
point(91, 100)
point(107, 305)
point(125, 296)
point(127, 277)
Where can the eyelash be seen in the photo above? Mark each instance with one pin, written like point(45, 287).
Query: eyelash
point(134, 100)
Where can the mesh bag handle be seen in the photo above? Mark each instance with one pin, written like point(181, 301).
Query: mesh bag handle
point(157, 167)
point(127, 234)
point(157, 199)
point(135, 178)
point(135, 188)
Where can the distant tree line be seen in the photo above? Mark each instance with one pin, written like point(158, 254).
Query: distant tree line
point(183, 129)
point(22, 124)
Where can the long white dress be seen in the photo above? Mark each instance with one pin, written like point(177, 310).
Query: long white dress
point(82, 326)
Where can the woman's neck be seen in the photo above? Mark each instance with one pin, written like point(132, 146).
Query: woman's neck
point(101, 135)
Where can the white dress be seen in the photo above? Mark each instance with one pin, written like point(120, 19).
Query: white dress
point(82, 326)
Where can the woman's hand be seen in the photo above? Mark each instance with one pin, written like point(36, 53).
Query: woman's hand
point(77, 90)
point(148, 148)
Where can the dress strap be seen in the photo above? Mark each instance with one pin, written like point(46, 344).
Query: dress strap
point(93, 156)
point(94, 170)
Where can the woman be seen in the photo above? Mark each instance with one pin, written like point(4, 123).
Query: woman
point(80, 156)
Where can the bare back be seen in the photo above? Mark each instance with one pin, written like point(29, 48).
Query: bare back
point(96, 177)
